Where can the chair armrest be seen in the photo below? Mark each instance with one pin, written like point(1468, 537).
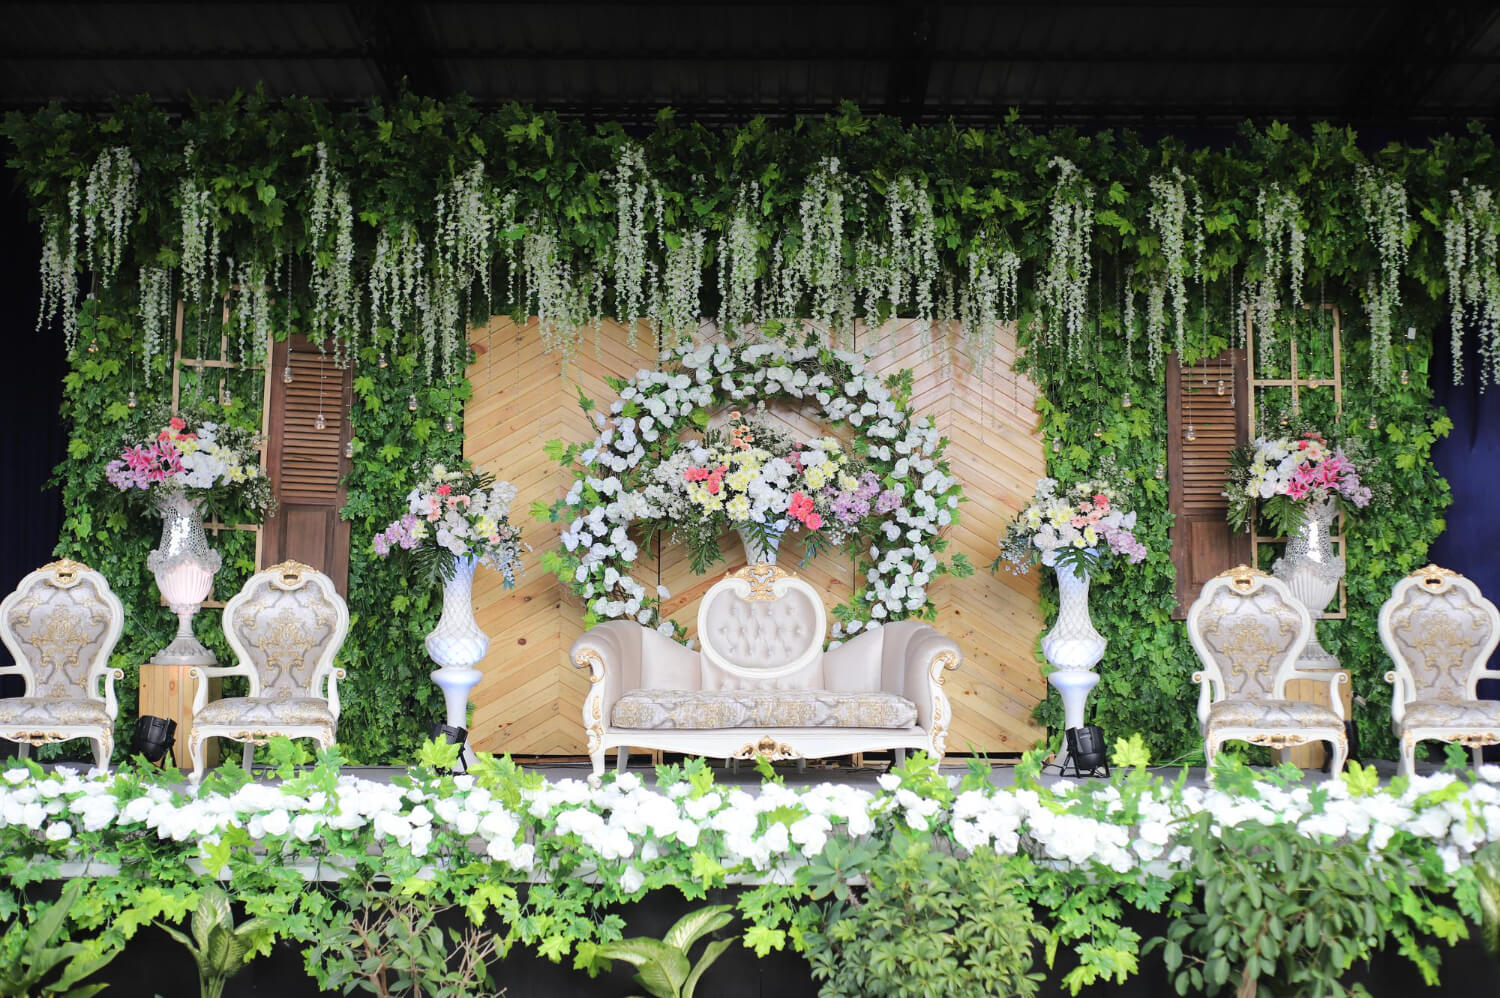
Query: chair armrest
point(1401, 695)
point(928, 658)
point(111, 705)
point(203, 673)
point(334, 675)
point(611, 652)
point(1205, 695)
point(1332, 678)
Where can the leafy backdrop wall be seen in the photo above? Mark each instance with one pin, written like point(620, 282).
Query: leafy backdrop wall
point(383, 232)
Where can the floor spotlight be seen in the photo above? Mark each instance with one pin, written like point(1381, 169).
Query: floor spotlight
point(453, 736)
point(1087, 755)
point(153, 737)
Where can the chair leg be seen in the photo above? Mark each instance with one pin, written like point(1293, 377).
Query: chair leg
point(1338, 754)
point(1477, 754)
point(622, 759)
point(195, 755)
point(597, 759)
point(23, 750)
point(103, 749)
point(900, 757)
point(248, 757)
point(1408, 765)
point(1210, 750)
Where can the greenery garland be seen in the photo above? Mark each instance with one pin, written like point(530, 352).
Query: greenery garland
point(898, 556)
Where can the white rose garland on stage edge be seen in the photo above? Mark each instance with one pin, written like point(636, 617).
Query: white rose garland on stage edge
point(890, 520)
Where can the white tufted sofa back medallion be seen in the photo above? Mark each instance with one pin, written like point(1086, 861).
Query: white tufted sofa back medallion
point(766, 636)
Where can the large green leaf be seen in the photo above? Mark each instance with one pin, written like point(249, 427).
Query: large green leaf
point(711, 952)
point(697, 924)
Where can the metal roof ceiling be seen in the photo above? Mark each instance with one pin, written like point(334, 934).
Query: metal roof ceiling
point(1157, 64)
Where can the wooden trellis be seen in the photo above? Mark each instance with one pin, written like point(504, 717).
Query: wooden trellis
point(1297, 383)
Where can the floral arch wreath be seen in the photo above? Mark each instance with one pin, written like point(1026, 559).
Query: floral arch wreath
point(898, 554)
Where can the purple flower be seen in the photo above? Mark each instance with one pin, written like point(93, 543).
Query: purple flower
point(888, 501)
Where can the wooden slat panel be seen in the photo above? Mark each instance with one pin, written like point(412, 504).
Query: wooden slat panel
point(529, 700)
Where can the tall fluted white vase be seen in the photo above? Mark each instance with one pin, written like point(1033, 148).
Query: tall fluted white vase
point(1312, 572)
point(760, 548)
point(457, 645)
point(184, 566)
point(1073, 647)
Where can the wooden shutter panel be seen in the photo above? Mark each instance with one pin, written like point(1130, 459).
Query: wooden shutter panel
point(306, 464)
point(1203, 545)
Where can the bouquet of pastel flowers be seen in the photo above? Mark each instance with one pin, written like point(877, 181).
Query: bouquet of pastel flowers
point(1285, 474)
point(1083, 525)
point(213, 463)
point(453, 514)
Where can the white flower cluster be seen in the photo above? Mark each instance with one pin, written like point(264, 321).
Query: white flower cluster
point(623, 827)
point(1382, 199)
point(156, 306)
point(663, 402)
point(1471, 256)
point(200, 232)
point(1070, 260)
point(1283, 235)
point(330, 230)
point(109, 197)
point(1169, 216)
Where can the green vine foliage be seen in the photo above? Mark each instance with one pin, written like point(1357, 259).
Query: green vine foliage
point(990, 191)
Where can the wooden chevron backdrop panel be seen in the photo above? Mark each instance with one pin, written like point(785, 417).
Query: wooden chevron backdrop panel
point(530, 698)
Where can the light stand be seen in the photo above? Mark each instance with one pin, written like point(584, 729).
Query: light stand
point(454, 735)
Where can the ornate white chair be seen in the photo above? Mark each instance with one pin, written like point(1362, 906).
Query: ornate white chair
point(1440, 632)
point(763, 686)
point(1248, 631)
point(60, 626)
point(285, 627)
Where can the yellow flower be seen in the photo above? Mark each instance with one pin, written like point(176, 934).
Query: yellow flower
point(1091, 536)
point(1078, 542)
point(848, 482)
point(817, 476)
point(1033, 517)
point(738, 508)
point(740, 480)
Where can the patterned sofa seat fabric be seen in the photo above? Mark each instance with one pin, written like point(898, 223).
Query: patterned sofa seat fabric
point(266, 710)
point(1271, 714)
point(695, 710)
point(51, 710)
point(1477, 714)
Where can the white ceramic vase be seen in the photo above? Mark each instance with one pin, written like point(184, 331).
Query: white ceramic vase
point(184, 566)
point(1312, 572)
point(457, 644)
point(1073, 647)
point(757, 553)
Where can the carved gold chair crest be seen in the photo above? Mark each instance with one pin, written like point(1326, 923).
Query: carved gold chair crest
point(60, 626)
point(1439, 632)
point(285, 627)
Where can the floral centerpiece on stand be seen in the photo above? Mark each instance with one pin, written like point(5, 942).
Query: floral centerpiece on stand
point(756, 480)
point(184, 464)
point(455, 520)
point(1299, 484)
point(1074, 531)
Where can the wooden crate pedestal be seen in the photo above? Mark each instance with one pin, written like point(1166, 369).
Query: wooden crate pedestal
point(167, 691)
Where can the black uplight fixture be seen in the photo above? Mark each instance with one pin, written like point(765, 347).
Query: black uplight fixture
point(453, 736)
point(1087, 755)
point(153, 737)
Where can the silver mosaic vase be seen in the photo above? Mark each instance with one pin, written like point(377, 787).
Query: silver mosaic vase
point(184, 566)
point(1312, 572)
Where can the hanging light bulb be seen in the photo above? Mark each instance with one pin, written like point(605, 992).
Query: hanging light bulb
point(381, 361)
point(1374, 423)
point(1161, 472)
point(286, 375)
point(1220, 390)
point(1125, 401)
point(1405, 376)
point(411, 402)
point(224, 397)
point(1191, 434)
point(319, 423)
point(130, 402)
point(93, 346)
point(1284, 420)
point(1098, 432)
point(448, 424)
point(349, 448)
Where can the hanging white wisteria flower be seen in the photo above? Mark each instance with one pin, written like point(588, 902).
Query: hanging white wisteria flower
point(1156, 320)
point(1070, 265)
point(1383, 203)
point(59, 271)
point(559, 299)
point(739, 259)
point(1471, 238)
point(251, 315)
point(155, 313)
point(398, 279)
point(200, 232)
point(913, 259)
point(1283, 234)
point(466, 222)
point(633, 192)
point(818, 265)
point(1169, 217)
point(1127, 322)
point(989, 296)
point(109, 198)
point(676, 307)
point(335, 310)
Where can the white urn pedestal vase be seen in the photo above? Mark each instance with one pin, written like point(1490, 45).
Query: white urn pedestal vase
point(184, 566)
point(760, 546)
point(1073, 647)
point(1312, 572)
point(457, 645)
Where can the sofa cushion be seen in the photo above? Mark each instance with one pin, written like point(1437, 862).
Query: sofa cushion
point(656, 709)
point(1470, 714)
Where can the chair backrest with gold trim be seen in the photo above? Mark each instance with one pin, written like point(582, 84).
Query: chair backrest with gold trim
point(287, 623)
point(61, 624)
point(1440, 630)
point(762, 628)
point(1248, 630)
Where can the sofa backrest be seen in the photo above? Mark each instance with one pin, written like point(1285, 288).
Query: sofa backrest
point(762, 628)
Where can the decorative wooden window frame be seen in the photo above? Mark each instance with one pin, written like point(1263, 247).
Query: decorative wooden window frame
point(1296, 383)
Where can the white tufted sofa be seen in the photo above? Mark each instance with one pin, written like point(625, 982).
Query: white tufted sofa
point(763, 685)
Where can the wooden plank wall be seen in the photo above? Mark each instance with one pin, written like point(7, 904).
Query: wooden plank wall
point(529, 700)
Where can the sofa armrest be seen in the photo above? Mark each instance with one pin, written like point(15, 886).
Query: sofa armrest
point(611, 652)
point(927, 659)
